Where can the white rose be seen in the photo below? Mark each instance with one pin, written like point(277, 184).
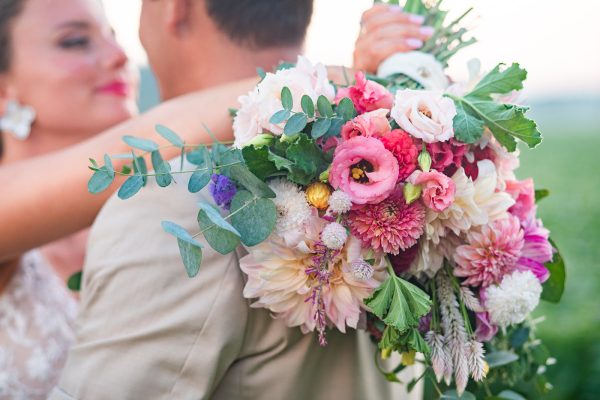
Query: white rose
point(259, 105)
point(426, 115)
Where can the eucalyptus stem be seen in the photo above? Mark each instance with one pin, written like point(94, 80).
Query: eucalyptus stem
point(227, 217)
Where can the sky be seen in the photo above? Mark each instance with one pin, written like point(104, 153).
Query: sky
point(558, 42)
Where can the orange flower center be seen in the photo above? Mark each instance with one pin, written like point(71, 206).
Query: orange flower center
point(358, 171)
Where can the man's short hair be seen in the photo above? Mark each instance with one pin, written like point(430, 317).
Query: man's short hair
point(259, 24)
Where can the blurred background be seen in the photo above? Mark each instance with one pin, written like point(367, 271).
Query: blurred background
point(558, 42)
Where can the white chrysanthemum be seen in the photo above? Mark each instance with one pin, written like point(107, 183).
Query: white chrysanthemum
point(259, 105)
point(340, 202)
point(475, 203)
point(334, 236)
point(517, 295)
point(292, 209)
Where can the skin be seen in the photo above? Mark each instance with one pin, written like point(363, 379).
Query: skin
point(171, 31)
point(64, 55)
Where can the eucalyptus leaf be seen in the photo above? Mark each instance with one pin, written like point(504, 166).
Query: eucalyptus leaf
point(500, 358)
point(215, 217)
point(254, 218)
point(131, 186)
point(109, 165)
point(171, 136)
point(161, 169)
point(139, 143)
point(100, 181)
point(222, 240)
point(295, 124)
point(140, 167)
point(280, 116)
point(191, 255)
point(198, 180)
point(308, 106)
point(345, 109)
point(287, 101)
point(324, 107)
point(199, 156)
point(320, 127)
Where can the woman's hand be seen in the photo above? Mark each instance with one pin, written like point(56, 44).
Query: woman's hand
point(386, 30)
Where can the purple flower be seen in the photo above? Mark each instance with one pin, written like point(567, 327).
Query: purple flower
point(222, 190)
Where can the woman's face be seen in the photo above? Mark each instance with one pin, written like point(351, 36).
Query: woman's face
point(67, 65)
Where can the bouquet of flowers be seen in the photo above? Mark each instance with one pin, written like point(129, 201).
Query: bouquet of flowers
point(389, 204)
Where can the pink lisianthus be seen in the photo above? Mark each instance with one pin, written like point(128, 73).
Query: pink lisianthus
point(374, 123)
point(524, 195)
point(492, 252)
point(537, 249)
point(438, 189)
point(364, 169)
point(403, 147)
point(366, 95)
point(390, 225)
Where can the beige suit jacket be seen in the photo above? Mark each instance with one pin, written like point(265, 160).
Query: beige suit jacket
point(147, 331)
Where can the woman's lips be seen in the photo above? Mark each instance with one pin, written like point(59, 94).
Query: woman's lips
point(115, 88)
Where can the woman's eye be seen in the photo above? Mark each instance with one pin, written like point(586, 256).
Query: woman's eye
point(76, 42)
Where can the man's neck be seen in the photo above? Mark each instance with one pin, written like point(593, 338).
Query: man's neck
point(224, 67)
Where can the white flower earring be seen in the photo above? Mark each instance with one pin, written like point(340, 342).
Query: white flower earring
point(17, 119)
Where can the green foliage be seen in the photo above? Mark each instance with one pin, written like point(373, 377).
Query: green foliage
point(140, 167)
point(308, 106)
point(500, 82)
point(554, 287)
point(139, 143)
point(320, 127)
point(295, 124)
point(453, 395)
point(189, 248)
point(309, 160)
point(467, 128)
point(242, 175)
point(258, 160)
point(345, 109)
point(500, 358)
point(199, 156)
point(510, 395)
point(109, 166)
point(215, 218)
point(399, 303)
point(253, 217)
point(287, 101)
point(74, 281)
point(280, 116)
point(171, 136)
point(162, 170)
point(222, 240)
point(324, 107)
point(541, 194)
point(131, 186)
point(200, 178)
point(100, 181)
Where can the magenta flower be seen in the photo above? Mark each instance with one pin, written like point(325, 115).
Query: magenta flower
point(391, 225)
point(537, 249)
point(493, 251)
point(366, 95)
point(364, 170)
point(524, 195)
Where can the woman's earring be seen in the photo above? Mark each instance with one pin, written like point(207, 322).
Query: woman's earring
point(17, 119)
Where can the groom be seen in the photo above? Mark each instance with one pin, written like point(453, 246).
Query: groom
point(146, 331)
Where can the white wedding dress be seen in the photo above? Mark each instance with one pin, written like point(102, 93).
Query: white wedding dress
point(36, 320)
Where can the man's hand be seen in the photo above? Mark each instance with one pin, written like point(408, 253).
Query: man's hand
point(386, 30)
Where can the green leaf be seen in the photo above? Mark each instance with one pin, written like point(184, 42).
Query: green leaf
point(280, 162)
point(308, 106)
point(100, 181)
point(109, 166)
point(199, 156)
point(453, 395)
point(320, 127)
point(287, 101)
point(519, 337)
point(199, 180)
point(417, 343)
point(389, 339)
point(215, 217)
point(162, 170)
point(295, 124)
point(126, 170)
point(309, 160)
point(335, 127)
point(554, 287)
point(399, 303)
point(261, 73)
point(500, 358)
point(131, 186)
point(140, 167)
point(540, 354)
point(242, 175)
point(171, 136)
point(139, 143)
point(541, 193)
point(253, 217)
point(74, 281)
point(191, 255)
point(93, 162)
point(345, 109)
point(467, 128)
point(222, 240)
point(500, 82)
point(179, 232)
point(324, 107)
point(510, 395)
point(280, 116)
point(258, 161)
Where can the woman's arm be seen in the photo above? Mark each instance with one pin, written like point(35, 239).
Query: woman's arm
point(45, 198)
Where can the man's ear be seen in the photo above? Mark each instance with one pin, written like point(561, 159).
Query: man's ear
point(178, 16)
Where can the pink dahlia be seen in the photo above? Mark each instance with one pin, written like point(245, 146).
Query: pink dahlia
point(391, 225)
point(366, 95)
point(404, 149)
point(492, 252)
point(537, 249)
point(364, 170)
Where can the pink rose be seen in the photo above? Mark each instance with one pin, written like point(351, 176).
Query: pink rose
point(438, 189)
point(374, 123)
point(524, 195)
point(366, 95)
point(364, 169)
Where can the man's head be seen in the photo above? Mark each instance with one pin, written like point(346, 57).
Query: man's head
point(192, 44)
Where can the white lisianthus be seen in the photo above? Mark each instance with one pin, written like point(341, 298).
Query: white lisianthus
point(517, 295)
point(259, 105)
point(426, 115)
